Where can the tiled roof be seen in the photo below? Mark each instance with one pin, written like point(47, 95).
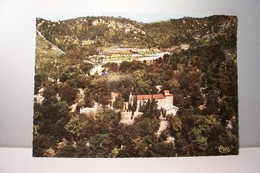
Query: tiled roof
point(146, 97)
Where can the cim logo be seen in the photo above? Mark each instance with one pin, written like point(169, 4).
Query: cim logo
point(225, 149)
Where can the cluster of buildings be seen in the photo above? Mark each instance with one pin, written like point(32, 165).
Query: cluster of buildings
point(164, 102)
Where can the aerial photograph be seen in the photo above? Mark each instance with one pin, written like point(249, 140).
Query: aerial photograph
point(115, 87)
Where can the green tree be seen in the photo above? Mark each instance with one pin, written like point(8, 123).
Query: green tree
point(69, 72)
point(50, 92)
point(119, 102)
point(134, 106)
point(149, 109)
point(101, 91)
point(212, 104)
point(112, 67)
point(89, 98)
point(175, 124)
point(39, 80)
point(73, 126)
point(68, 93)
point(86, 67)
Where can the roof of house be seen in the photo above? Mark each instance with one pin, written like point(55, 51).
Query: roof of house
point(146, 97)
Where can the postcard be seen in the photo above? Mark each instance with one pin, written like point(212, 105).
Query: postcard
point(115, 87)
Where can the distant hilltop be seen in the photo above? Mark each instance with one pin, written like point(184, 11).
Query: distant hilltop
point(109, 31)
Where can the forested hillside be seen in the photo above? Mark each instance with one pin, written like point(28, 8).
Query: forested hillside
point(86, 69)
point(104, 31)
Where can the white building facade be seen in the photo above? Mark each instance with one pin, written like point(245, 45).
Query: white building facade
point(164, 101)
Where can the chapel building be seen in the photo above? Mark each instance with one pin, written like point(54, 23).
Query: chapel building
point(164, 101)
